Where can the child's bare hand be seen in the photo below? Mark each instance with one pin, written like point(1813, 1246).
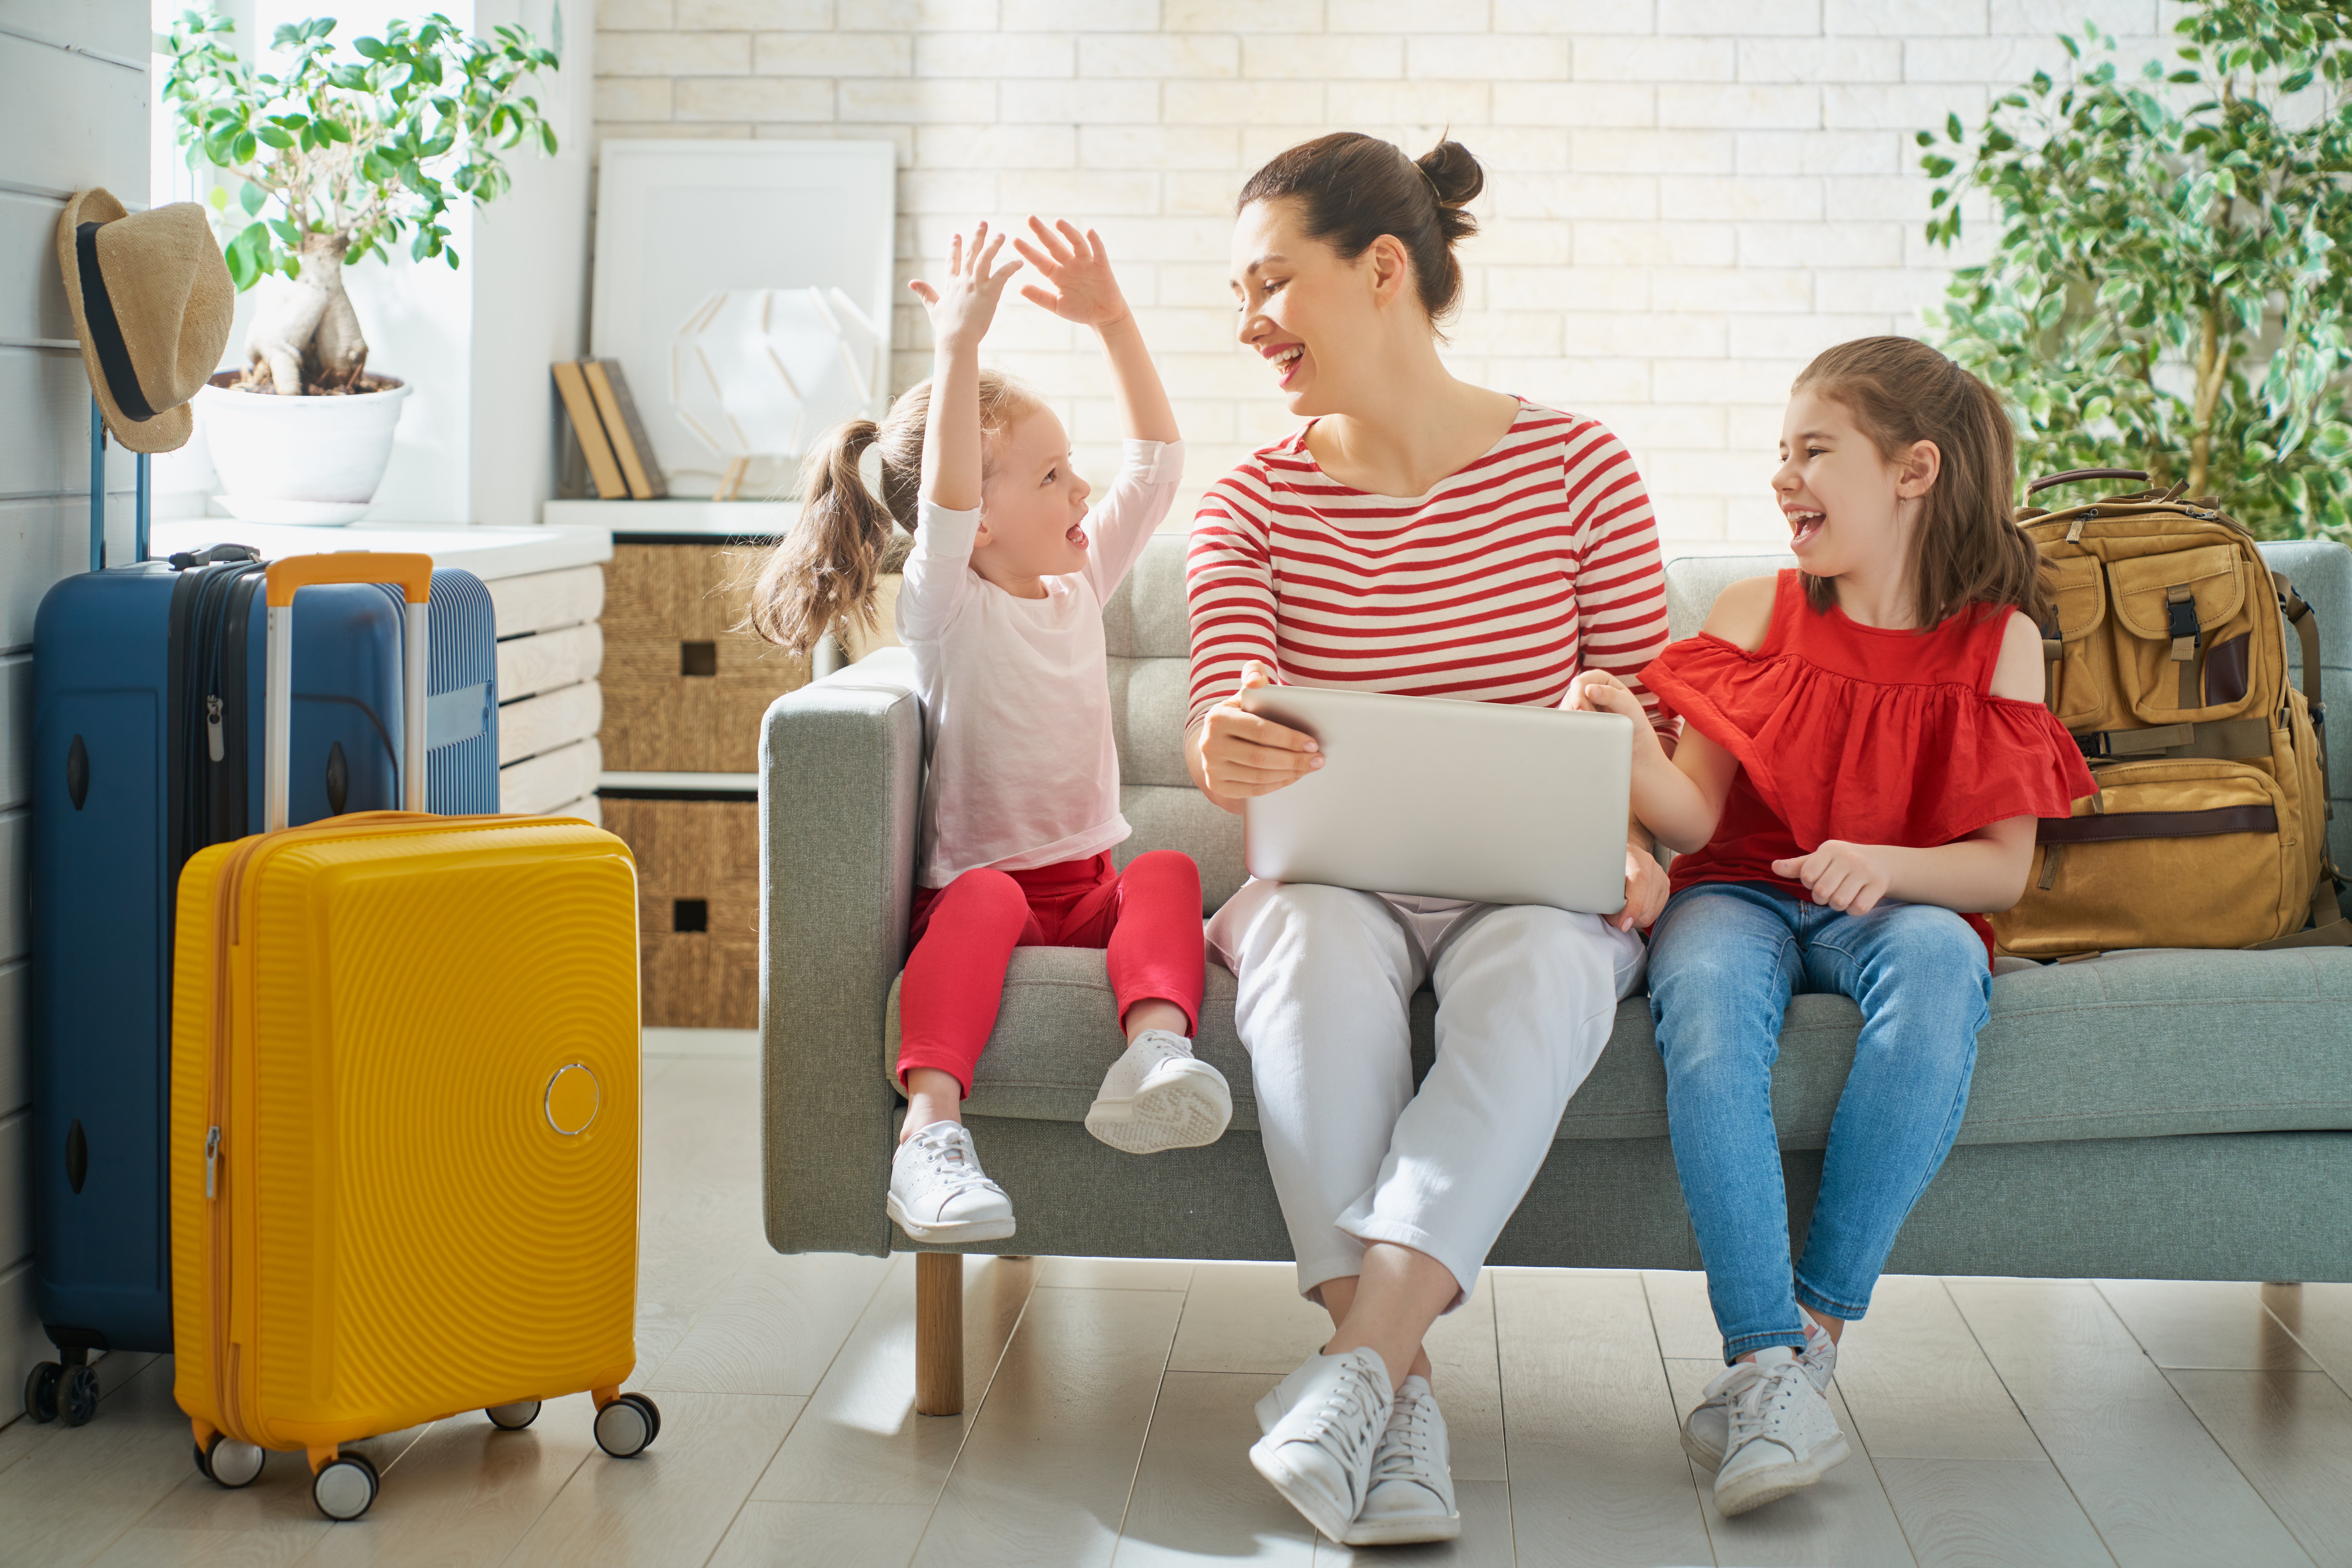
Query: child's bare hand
point(1598, 691)
point(1849, 877)
point(1078, 269)
point(961, 311)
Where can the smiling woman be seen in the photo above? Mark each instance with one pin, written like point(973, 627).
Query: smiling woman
point(1424, 536)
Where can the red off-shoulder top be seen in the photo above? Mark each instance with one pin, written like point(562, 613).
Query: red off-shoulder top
point(1853, 733)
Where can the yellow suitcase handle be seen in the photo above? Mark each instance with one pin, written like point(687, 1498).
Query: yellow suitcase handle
point(414, 575)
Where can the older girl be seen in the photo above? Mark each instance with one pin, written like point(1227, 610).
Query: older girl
point(1420, 535)
point(1002, 608)
point(1865, 754)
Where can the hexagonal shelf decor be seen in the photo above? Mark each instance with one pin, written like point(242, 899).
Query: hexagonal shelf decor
point(764, 372)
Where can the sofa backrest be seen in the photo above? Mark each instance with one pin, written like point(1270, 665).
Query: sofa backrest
point(1149, 641)
point(1147, 634)
point(2320, 570)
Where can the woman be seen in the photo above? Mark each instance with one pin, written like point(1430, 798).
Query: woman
point(1426, 536)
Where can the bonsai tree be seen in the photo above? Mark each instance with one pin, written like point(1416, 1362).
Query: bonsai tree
point(334, 160)
point(2175, 266)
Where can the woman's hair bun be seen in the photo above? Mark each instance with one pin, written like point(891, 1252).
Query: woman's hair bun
point(1453, 173)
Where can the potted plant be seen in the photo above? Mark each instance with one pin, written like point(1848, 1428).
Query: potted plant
point(2173, 279)
point(328, 161)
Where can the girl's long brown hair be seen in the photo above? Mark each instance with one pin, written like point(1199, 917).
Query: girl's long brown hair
point(1968, 549)
point(820, 576)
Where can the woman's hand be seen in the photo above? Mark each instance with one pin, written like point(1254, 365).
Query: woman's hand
point(1079, 270)
point(1240, 754)
point(1849, 877)
point(961, 311)
point(1645, 890)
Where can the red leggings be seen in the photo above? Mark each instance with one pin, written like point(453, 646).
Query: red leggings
point(1148, 917)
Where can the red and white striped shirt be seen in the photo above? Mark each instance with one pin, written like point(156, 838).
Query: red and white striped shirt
point(1538, 558)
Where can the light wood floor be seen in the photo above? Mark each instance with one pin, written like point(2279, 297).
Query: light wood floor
point(1999, 1421)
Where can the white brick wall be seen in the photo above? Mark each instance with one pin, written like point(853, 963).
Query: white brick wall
point(1686, 199)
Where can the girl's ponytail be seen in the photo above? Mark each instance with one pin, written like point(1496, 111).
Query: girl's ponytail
point(820, 576)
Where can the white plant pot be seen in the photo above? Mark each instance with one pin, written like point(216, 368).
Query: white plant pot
point(299, 459)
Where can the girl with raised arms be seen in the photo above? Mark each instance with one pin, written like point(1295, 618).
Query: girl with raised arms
point(1002, 607)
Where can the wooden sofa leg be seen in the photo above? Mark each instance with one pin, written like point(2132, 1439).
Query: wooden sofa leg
point(938, 1333)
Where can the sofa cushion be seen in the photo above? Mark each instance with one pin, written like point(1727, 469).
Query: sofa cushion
point(2131, 1045)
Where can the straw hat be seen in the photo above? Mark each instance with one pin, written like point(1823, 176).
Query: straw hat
point(151, 300)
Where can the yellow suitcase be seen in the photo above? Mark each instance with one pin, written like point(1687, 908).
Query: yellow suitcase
point(405, 1114)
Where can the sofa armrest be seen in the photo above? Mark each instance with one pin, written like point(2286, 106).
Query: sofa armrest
point(841, 773)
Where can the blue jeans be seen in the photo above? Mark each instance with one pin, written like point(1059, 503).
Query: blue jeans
point(1724, 958)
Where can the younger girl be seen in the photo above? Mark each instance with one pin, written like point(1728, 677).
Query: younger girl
point(1002, 607)
point(1864, 757)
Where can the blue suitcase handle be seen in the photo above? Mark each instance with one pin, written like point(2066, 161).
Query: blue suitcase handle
point(145, 512)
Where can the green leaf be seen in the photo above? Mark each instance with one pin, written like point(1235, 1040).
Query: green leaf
point(274, 136)
point(1952, 127)
point(252, 197)
point(369, 48)
point(218, 197)
point(286, 231)
point(242, 148)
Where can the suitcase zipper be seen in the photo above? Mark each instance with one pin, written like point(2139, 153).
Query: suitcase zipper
point(213, 727)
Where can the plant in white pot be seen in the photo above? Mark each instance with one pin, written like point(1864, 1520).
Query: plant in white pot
point(328, 161)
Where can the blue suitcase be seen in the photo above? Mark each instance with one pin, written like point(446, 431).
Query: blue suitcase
point(147, 742)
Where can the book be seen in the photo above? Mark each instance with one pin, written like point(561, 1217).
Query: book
point(624, 429)
point(580, 405)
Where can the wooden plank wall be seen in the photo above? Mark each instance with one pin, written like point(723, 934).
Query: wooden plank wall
point(550, 703)
point(74, 114)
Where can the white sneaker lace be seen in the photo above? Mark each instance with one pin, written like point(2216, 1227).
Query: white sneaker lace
point(948, 1168)
point(1341, 1423)
point(1405, 1447)
point(1760, 1395)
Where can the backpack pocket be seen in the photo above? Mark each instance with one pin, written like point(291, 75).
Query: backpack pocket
point(2177, 613)
point(2175, 853)
point(2078, 588)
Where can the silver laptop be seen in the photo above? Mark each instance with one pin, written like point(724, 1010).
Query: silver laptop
point(1449, 799)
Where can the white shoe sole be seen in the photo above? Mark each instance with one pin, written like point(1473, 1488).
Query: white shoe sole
point(1759, 1487)
point(1185, 1110)
point(1402, 1531)
point(1267, 1462)
point(1270, 1409)
point(956, 1230)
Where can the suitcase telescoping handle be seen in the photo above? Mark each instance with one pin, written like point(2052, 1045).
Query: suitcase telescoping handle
point(413, 575)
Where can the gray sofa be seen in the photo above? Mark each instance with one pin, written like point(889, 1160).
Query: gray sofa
point(2170, 1115)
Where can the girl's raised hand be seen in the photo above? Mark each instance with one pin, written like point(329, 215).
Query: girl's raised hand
point(961, 311)
point(1079, 270)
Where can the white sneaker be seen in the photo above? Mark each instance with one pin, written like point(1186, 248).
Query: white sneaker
point(1323, 1424)
point(1707, 1431)
point(939, 1192)
point(1411, 1494)
point(1160, 1096)
point(1783, 1437)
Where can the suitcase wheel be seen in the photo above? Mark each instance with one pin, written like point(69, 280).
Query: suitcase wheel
point(627, 1425)
point(78, 1398)
point(41, 1391)
point(229, 1463)
point(344, 1487)
point(513, 1417)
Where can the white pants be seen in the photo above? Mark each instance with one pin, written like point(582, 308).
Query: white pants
point(1526, 999)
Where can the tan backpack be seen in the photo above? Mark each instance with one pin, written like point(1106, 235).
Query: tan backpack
point(2169, 664)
